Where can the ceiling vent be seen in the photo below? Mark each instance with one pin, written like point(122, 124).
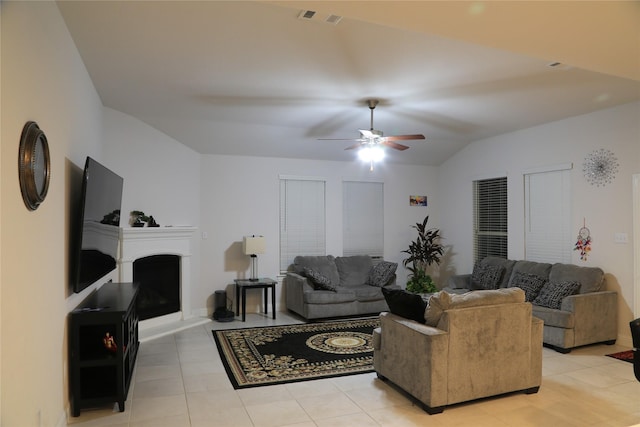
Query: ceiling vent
point(333, 19)
point(311, 15)
point(306, 14)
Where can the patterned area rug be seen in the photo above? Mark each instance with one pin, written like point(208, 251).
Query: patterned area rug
point(627, 356)
point(256, 357)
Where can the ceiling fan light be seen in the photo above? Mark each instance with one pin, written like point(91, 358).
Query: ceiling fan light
point(371, 154)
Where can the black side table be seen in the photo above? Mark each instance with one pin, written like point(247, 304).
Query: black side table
point(263, 283)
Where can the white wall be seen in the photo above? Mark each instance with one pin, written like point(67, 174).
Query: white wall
point(43, 79)
point(607, 210)
point(240, 196)
point(161, 177)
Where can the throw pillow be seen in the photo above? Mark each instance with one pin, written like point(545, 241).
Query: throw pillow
point(529, 283)
point(318, 280)
point(437, 304)
point(381, 273)
point(405, 304)
point(552, 294)
point(486, 276)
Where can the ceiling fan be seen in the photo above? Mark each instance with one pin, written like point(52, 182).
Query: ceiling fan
point(373, 137)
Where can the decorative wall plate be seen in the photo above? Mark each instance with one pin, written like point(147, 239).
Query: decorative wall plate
point(600, 167)
point(33, 165)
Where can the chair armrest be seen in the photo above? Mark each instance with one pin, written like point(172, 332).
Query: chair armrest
point(596, 316)
point(414, 356)
point(460, 281)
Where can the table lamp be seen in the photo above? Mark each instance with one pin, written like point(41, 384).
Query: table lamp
point(252, 246)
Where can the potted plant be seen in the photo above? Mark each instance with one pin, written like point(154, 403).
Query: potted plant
point(423, 252)
point(138, 219)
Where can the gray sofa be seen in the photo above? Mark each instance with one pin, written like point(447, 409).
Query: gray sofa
point(472, 346)
point(327, 286)
point(573, 314)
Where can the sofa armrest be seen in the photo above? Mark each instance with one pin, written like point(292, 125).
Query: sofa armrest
point(596, 316)
point(460, 281)
point(295, 286)
point(414, 356)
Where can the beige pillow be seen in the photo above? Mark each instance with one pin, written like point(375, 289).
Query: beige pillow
point(437, 304)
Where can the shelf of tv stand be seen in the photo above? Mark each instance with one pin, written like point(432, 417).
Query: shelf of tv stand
point(97, 375)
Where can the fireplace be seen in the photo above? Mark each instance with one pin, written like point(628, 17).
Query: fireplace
point(140, 246)
point(158, 278)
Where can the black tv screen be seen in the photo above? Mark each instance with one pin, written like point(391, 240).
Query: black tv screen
point(98, 225)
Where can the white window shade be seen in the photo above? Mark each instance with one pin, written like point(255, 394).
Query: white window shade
point(302, 219)
point(363, 218)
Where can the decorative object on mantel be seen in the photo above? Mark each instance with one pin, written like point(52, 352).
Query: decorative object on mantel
point(584, 241)
point(252, 246)
point(423, 252)
point(34, 165)
point(600, 167)
point(138, 219)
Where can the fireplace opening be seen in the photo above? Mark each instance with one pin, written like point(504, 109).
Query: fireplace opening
point(158, 277)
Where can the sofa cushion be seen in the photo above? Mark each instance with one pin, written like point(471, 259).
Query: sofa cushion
point(324, 264)
point(353, 270)
point(381, 273)
point(405, 304)
point(591, 278)
point(529, 283)
point(340, 295)
point(540, 269)
point(318, 280)
point(553, 317)
point(441, 301)
point(367, 293)
point(486, 276)
point(552, 294)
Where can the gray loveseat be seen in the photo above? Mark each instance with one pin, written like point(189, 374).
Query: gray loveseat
point(472, 346)
point(327, 286)
point(570, 299)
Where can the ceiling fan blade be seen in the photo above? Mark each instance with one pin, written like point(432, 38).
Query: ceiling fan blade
point(404, 137)
point(341, 139)
point(394, 145)
point(359, 144)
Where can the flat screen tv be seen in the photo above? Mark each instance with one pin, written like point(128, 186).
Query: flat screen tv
point(97, 228)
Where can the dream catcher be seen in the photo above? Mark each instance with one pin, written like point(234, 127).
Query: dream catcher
point(584, 242)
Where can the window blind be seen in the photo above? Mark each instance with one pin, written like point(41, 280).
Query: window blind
point(490, 217)
point(302, 219)
point(362, 220)
point(547, 216)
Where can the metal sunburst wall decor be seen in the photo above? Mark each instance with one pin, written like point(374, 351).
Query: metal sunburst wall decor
point(600, 167)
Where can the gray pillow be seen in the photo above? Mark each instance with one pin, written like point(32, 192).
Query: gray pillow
point(318, 280)
point(552, 294)
point(529, 283)
point(381, 273)
point(486, 277)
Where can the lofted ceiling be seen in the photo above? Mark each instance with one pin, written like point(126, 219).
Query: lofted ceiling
point(252, 78)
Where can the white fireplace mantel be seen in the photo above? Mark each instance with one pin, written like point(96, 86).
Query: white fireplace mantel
point(142, 242)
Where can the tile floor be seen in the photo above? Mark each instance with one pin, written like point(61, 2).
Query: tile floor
point(180, 381)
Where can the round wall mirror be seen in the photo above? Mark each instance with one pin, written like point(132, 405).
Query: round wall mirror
point(33, 165)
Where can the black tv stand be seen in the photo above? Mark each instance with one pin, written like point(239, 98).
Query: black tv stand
point(101, 373)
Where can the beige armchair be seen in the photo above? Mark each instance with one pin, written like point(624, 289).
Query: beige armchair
point(481, 344)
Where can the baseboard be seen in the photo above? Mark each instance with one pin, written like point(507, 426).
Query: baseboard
point(625, 341)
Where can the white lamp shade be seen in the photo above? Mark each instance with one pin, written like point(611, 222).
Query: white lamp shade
point(252, 245)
